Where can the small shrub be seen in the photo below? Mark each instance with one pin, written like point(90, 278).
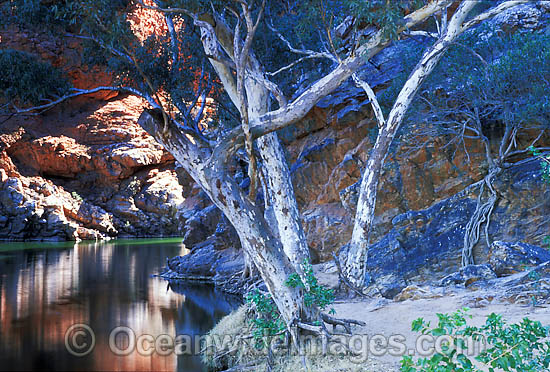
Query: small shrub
point(521, 347)
point(317, 294)
point(26, 79)
point(268, 323)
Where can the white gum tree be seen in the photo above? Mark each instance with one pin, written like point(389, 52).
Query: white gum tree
point(276, 246)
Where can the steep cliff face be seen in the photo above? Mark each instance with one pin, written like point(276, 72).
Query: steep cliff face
point(328, 151)
point(89, 171)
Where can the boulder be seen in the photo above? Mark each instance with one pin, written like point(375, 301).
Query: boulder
point(508, 258)
point(206, 262)
point(531, 287)
point(414, 292)
point(468, 275)
point(201, 226)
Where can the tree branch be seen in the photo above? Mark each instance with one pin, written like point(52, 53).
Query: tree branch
point(167, 10)
point(491, 13)
point(306, 52)
point(298, 108)
point(373, 100)
point(37, 110)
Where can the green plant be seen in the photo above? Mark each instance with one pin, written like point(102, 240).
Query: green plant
point(26, 79)
point(544, 162)
point(517, 347)
point(267, 322)
point(315, 294)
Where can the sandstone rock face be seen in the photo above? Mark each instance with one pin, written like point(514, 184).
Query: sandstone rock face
point(90, 172)
point(32, 207)
point(86, 170)
point(423, 246)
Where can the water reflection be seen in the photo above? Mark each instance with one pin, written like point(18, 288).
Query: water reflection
point(45, 291)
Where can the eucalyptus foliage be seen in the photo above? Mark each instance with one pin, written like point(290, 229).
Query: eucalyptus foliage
point(502, 77)
point(26, 79)
point(108, 38)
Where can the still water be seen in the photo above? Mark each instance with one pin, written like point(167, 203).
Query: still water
point(45, 288)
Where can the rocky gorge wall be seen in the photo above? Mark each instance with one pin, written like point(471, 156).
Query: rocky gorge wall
point(86, 170)
point(425, 198)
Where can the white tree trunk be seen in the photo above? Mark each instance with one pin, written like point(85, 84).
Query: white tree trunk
point(279, 182)
point(355, 267)
point(283, 201)
point(255, 235)
point(280, 191)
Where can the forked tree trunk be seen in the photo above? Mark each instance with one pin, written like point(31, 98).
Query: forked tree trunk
point(255, 235)
point(288, 226)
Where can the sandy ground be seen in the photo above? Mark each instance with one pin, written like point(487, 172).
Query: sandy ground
point(384, 317)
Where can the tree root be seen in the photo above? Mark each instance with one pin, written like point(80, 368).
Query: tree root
point(252, 366)
point(346, 323)
point(322, 332)
point(481, 215)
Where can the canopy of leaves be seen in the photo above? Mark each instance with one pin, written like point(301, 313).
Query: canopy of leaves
point(504, 77)
point(306, 24)
point(496, 77)
point(26, 79)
